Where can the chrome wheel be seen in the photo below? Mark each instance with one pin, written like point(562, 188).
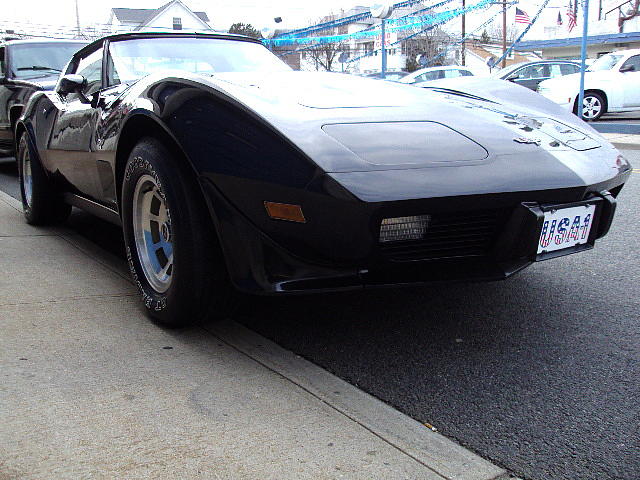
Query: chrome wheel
point(27, 178)
point(152, 232)
point(591, 107)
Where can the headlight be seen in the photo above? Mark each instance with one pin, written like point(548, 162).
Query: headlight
point(404, 228)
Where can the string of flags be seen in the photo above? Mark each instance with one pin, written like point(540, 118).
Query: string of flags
point(393, 25)
point(523, 17)
point(413, 23)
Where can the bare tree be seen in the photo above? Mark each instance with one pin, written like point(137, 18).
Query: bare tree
point(325, 55)
point(433, 45)
point(495, 32)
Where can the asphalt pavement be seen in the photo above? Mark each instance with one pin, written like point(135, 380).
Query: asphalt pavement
point(539, 374)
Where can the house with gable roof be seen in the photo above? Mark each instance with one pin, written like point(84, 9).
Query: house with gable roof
point(174, 15)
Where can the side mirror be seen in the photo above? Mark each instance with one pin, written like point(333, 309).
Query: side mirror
point(72, 83)
point(627, 68)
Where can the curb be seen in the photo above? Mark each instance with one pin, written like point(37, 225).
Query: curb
point(433, 450)
point(12, 202)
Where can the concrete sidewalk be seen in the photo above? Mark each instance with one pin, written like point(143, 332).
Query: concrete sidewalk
point(92, 389)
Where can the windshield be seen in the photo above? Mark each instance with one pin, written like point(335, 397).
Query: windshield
point(506, 70)
point(134, 59)
point(606, 62)
point(33, 59)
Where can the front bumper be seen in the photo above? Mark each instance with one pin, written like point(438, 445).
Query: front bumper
point(257, 264)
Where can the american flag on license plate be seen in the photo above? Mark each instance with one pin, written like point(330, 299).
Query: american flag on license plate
point(521, 16)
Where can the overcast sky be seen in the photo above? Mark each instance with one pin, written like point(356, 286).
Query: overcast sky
point(223, 13)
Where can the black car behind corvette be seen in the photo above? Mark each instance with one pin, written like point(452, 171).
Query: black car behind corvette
point(27, 66)
point(228, 171)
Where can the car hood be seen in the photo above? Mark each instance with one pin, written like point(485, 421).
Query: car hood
point(40, 81)
point(321, 90)
point(347, 123)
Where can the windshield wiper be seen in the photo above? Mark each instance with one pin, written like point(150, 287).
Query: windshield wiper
point(39, 67)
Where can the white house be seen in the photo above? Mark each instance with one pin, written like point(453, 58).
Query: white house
point(613, 25)
point(174, 15)
point(358, 48)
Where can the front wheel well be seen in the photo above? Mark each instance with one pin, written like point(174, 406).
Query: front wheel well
point(135, 129)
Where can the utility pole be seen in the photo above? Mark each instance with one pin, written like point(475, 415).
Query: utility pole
point(463, 33)
point(504, 33)
point(382, 11)
point(383, 73)
point(78, 34)
point(583, 56)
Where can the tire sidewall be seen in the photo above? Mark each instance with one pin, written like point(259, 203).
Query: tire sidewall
point(143, 162)
point(23, 149)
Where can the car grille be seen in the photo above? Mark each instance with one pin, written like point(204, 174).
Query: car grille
point(6, 144)
point(452, 235)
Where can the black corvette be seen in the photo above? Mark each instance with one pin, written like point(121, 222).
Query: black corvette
point(228, 171)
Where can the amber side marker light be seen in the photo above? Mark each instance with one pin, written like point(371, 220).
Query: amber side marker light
point(284, 211)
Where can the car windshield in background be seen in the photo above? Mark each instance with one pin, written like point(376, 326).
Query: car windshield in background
point(506, 70)
point(134, 59)
point(33, 59)
point(606, 62)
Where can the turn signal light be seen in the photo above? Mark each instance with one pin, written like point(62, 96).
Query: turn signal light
point(284, 211)
point(404, 228)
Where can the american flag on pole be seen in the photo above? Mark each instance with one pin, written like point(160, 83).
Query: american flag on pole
point(521, 16)
point(571, 17)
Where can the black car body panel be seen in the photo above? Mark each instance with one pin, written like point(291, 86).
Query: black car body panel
point(481, 162)
point(16, 90)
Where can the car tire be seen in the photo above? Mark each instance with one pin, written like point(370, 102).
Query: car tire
point(41, 204)
point(171, 244)
point(594, 106)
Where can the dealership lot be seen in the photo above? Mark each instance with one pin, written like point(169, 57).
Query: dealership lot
point(537, 374)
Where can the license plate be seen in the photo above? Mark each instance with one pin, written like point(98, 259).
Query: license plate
point(566, 227)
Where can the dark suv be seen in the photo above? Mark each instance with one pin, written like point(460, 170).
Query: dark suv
point(27, 66)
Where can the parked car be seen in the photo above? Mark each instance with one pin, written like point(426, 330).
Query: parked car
point(27, 66)
point(391, 76)
point(435, 73)
point(530, 74)
point(611, 84)
point(229, 171)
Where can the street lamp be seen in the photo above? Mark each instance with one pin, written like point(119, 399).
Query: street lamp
point(382, 11)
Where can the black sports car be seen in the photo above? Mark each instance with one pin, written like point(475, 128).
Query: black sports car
point(227, 169)
point(25, 67)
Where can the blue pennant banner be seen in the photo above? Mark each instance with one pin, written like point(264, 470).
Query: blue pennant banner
point(421, 22)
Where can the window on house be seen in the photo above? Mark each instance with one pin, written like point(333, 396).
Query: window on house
point(177, 23)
